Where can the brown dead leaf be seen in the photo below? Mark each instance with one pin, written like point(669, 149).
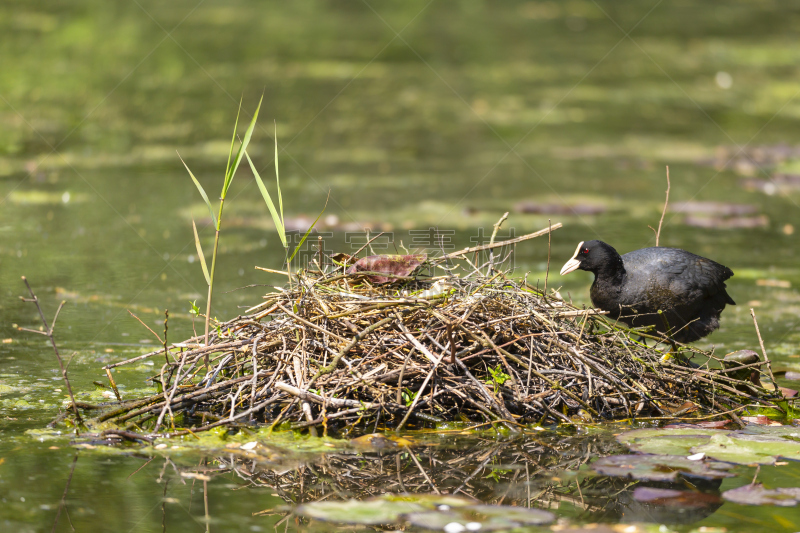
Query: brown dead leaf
point(393, 265)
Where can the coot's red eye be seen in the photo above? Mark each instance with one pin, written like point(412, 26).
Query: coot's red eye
point(586, 250)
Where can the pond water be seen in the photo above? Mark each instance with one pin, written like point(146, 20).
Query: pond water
point(414, 115)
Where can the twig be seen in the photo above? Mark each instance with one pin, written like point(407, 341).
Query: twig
point(331, 367)
point(166, 321)
point(419, 392)
point(494, 234)
point(367, 244)
point(309, 324)
point(499, 244)
point(50, 334)
point(663, 211)
point(422, 470)
point(148, 328)
point(547, 272)
point(764, 351)
point(168, 399)
point(113, 384)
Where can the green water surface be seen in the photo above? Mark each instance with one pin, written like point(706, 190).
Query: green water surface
point(414, 115)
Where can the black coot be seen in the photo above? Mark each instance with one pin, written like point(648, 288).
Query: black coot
point(687, 288)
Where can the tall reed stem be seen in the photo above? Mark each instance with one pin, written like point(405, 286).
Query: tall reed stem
point(211, 274)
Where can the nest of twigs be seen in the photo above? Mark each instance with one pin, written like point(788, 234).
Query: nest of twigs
point(336, 351)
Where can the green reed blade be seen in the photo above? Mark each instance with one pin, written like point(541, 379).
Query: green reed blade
point(240, 153)
point(200, 253)
point(202, 191)
point(233, 139)
point(309, 229)
point(277, 175)
point(268, 199)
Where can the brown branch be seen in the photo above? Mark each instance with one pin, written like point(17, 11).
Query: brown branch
point(764, 351)
point(145, 325)
point(501, 243)
point(35, 300)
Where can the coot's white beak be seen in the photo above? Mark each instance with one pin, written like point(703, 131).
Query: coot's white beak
point(573, 263)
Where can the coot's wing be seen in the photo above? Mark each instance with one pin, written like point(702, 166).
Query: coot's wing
point(689, 289)
point(674, 277)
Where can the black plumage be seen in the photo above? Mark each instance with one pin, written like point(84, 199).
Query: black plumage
point(633, 288)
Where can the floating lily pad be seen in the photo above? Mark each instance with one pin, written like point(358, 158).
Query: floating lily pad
point(684, 499)
point(677, 441)
point(385, 509)
point(791, 433)
point(758, 495)
point(745, 448)
point(366, 512)
point(659, 467)
point(479, 518)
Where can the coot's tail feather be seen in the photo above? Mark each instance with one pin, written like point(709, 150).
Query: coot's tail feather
point(728, 299)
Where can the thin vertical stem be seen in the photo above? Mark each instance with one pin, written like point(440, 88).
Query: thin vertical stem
point(549, 237)
point(166, 320)
point(49, 333)
point(205, 505)
point(664, 211)
point(211, 275)
point(764, 350)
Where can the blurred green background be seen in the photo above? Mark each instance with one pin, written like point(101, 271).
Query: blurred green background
point(414, 115)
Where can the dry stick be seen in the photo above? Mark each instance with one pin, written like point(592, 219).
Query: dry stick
point(166, 320)
point(224, 421)
point(49, 335)
point(547, 272)
point(523, 364)
point(316, 398)
point(505, 364)
point(272, 271)
point(417, 344)
point(148, 329)
point(499, 244)
point(321, 419)
point(663, 211)
point(367, 244)
point(309, 324)
point(764, 351)
point(168, 400)
point(331, 367)
point(419, 392)
point(494, 234)
point(152, 403)
point(399, 397)
point(488, 397)
point(199, 351)
point(255, 373)
point(414, 457)
point(113, 385)
point(452, 344)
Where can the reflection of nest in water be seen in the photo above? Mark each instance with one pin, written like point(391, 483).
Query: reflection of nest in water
point(335, 350)
point(529, 471)
point(488, 470)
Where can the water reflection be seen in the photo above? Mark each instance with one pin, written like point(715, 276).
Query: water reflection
point(537, 470)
